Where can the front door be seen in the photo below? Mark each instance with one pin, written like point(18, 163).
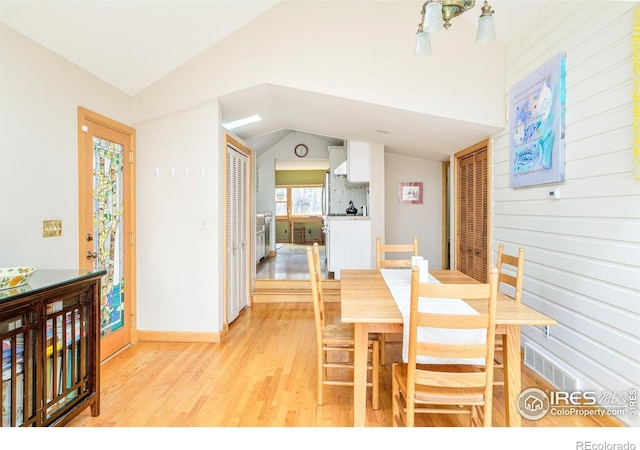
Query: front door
point(106, 223)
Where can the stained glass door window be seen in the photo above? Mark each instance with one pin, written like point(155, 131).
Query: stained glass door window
point(108, 211)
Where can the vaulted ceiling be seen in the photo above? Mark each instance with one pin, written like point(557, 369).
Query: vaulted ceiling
point(152, 38)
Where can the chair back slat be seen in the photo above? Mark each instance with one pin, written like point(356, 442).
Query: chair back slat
point(456, 321)
point(463, 380)
point(471, 291)
point(436, 350)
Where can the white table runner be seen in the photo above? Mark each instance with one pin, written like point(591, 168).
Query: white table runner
point(399, 283)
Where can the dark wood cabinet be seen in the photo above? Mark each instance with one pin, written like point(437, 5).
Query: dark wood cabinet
point(50, 337)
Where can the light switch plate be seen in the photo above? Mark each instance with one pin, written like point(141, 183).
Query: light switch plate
point(51, 228)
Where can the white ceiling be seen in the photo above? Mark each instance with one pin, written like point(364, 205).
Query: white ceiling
point(152, 38)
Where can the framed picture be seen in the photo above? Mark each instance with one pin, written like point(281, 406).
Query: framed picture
point(410, 193)
point(537, 116)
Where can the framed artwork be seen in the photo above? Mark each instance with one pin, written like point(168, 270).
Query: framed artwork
point(410, 193)
point(537, 123)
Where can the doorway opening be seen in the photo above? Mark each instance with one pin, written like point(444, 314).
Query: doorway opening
point(298, 211)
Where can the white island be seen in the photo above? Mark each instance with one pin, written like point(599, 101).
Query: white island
point(348, 243)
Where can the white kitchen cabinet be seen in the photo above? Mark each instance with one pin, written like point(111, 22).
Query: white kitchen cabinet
point(348, 244)
point(358, 162)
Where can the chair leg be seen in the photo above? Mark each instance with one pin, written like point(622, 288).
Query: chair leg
point(321, 376)
point(375, 374)
point(498, 365)
point(383, 349)
point(487, 414)
point(395, 392)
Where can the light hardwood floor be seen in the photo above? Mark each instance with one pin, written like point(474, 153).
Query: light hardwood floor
point(262, 375)
point(289, 263)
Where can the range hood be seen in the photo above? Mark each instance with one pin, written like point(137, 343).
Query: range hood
point(341, 169)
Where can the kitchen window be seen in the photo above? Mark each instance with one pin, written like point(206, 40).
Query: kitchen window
point(298, 201)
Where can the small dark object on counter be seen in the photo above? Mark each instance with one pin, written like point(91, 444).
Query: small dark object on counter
point(352, 210)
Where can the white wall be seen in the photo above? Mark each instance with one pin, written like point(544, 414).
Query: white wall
point(582, 250)
point(39, 97)
point(405, 221)
point(180, 285)
point(38, 181)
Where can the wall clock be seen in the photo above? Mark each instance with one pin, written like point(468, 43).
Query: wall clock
point(301, 150)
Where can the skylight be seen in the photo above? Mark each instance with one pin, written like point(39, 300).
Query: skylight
point(241, 122)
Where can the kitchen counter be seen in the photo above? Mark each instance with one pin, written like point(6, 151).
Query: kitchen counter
point(348, 217)
point(348, 243)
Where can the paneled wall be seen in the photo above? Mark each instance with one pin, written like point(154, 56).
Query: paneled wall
point(582, 249)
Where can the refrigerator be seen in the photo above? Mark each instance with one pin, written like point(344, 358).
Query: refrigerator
point(325, 197)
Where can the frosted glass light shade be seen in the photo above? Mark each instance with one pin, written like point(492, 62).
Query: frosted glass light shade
point(486, 30)
point(423, 44)
point(433, 20)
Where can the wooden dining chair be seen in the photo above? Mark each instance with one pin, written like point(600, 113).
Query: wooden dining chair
point(336, 340)
point(395, 250)
point(513, 278)
point(385, 249)
point(464, 387)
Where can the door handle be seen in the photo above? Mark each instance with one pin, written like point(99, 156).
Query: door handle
point(91, 254)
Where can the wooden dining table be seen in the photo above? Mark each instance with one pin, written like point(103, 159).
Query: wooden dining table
point(367, 302)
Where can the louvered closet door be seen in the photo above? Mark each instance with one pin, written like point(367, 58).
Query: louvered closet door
point(237, 277)
point(472, 217)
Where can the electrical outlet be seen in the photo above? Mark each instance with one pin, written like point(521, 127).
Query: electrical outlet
point(547, 331)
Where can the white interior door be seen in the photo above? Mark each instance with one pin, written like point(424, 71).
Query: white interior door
point(237, 232)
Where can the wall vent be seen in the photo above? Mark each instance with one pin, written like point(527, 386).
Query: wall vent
point(550, 370)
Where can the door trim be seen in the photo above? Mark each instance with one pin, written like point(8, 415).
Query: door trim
point(130, 227)
point(446, 186)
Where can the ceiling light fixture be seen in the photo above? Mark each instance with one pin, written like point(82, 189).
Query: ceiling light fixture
point(240, 122)
point(437, 15)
